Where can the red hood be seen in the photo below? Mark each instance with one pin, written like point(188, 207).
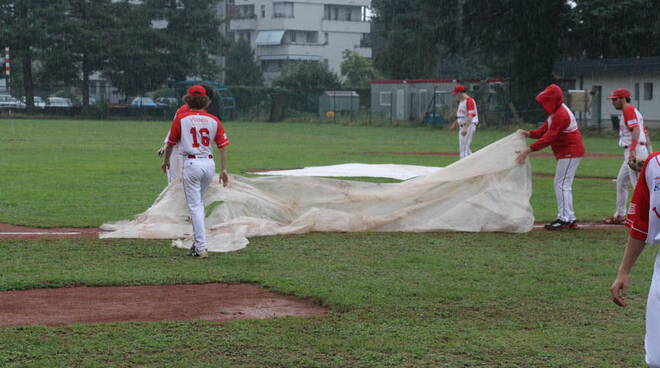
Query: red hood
point(551, 98)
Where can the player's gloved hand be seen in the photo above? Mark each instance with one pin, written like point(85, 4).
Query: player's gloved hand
point(161, 151)
point(464, 131)
point(636, 165)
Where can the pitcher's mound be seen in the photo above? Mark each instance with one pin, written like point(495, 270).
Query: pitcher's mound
point(210, 302)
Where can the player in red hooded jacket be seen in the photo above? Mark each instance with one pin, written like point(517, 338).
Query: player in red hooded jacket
point(560, 131)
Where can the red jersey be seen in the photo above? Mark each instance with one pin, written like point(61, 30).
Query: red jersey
point(560, 130)
point(643, 218)
point(195, 130)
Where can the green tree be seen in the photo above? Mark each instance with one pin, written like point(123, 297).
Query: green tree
point(137, 59)
point(241, 67)
point(307, 77)
point(25, 24)
point(76, 45)
point(192, 41)
point(614, 29)
point(359, 71)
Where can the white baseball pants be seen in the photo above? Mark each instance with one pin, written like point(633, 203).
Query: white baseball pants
point(464, 141)
point(652, 338)
point(197, 175)
point(176, 165)
point(564, 176)
point(626, 178)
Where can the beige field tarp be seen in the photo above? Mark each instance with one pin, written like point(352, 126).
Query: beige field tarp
point(486, 192)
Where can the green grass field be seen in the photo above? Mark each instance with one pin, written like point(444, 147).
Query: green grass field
point(397, 300)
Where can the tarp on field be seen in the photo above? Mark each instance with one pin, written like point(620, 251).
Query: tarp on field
point(391, 171)
point(485, 192)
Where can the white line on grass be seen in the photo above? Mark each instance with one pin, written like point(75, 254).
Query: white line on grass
point(38, 233)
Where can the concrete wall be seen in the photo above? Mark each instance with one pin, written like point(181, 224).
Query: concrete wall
point(650, 109)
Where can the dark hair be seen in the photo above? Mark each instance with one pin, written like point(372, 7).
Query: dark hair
point(196, 102)
point(209, 91)
point(628, 99)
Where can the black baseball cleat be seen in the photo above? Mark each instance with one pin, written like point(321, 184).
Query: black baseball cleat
point(198, 254)
point(561, 225)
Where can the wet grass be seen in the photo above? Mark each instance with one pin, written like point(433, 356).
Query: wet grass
point(396, 300)
point(85, 173)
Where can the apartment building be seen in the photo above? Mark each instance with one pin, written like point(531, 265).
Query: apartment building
point(281, 32)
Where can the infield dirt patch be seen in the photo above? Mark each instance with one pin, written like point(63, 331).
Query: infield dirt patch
point(209, 302)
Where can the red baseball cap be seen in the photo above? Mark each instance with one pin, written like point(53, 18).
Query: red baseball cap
point(458, 89)
point(620, 93)
point(197, 90)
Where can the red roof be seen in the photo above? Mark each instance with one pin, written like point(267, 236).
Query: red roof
point(412, 81)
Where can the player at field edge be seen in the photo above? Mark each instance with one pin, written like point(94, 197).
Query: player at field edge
point(643, 220)
point(467, 119)
point(632, 138)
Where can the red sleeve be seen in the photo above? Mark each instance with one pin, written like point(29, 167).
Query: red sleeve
point(220, 136)
point(538, 133)
point(471, 107)
point(630, 117)
point(175, 132)
point(559, 122)
point(638, 214)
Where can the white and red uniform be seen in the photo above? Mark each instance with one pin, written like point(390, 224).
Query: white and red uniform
point(195, 132)
point(466, 108)
point(176, 160)
point(560, 131)
point(644, 222)
point(630, 119)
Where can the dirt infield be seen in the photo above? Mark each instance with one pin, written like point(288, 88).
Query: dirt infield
point(209, 302)
point(535, 154)
point(586, 226)
point(22, 232)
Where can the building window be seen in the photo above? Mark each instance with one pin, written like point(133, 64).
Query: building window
point(283, 10)
point(263, 11)
point(386, 99)
point(440, 98)
point(336, 14)
point(312, 37)
point(243, 11)
point(648, 91)
point(365, 40)
point(272, 66)
point(292, 36)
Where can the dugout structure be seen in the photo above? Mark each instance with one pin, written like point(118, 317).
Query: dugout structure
point(419, 99)
point(339, 102)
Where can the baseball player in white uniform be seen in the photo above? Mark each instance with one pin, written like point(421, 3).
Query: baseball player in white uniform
point(176, 161)
point(467, 120)
point(195, 131)
point(644, 223)
point(632, 138)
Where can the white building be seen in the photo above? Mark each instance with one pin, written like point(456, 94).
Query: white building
point(319, 30)
point(601, 76)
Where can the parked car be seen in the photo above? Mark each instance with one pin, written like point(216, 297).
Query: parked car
point(9, 102)
point(58, 102)
point(142, 101)
point(38, 102)
point(167, 101)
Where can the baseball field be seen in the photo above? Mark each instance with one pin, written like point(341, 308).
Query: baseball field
point(539, 299)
